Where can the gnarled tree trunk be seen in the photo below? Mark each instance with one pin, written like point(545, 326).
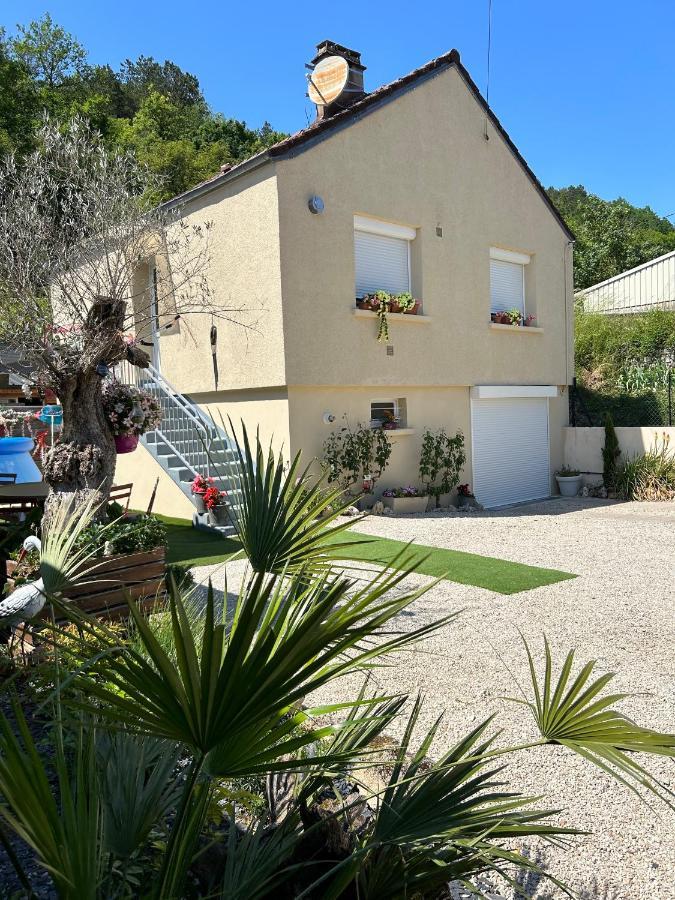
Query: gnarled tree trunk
point(83, 461)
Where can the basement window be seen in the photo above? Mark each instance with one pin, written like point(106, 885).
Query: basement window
point(507, 280)
point(390, 414)
point(381, 256)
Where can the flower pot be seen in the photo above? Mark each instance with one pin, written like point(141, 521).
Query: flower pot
point(569, 486)
point(364, 304)
point(126, 443)
point(414, 310)
point(366, 501)
point(198, 500)
point(464, 502)
point(406, 506)
point(15, 457)
point(218, 515)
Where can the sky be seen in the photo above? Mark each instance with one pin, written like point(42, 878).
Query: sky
point(583, 87)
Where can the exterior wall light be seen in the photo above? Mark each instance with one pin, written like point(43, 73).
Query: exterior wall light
point(328, 418)
point(316, 205)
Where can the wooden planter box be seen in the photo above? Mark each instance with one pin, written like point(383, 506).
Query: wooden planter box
point(104, 592)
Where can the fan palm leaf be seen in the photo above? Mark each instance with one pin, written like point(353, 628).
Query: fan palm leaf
point(573, 712)
point(287, 518)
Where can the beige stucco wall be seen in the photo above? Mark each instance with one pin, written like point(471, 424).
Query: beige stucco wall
point(583, 446)
point(426, 407)
point(141, 469)
point(245, 282)
point(421, 161)
point(266, 410)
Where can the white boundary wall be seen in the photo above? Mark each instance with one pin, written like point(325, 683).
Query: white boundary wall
point(583, 446)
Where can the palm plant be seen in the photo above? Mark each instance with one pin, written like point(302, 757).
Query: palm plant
point(287, 518)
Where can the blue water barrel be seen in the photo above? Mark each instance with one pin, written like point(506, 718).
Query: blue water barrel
point(15, 457)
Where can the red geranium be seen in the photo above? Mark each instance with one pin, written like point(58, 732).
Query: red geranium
point(213, 497)
point(201, 484)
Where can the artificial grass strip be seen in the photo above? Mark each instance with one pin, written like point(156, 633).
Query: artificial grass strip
point(499, 575)
point(195, 547)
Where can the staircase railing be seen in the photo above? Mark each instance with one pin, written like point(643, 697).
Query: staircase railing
point(183, 429)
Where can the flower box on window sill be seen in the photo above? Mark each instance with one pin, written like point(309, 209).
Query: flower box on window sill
point(371, 302)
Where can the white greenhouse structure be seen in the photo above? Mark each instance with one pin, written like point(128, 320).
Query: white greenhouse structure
point(649, 286)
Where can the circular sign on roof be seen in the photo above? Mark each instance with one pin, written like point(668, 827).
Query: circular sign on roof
point(328, 80)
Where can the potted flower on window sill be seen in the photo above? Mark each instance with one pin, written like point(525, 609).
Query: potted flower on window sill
point(466, 498)
point(199, 487)
point(214, 501)
point(130, 412)
point(405, 500)
point(383, 303)
point(569, 481)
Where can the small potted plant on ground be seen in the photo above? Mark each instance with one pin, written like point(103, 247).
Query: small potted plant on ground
point(466, 498)
point(405, 500)
point(569, 481)
point(130, 413)
point(199, 487)
point(214, 501)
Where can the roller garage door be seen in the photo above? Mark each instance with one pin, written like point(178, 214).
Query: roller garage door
point(510, 449)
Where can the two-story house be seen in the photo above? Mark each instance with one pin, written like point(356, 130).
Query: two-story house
point(412, 187)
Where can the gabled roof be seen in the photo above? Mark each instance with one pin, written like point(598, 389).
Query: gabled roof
point(324, 128)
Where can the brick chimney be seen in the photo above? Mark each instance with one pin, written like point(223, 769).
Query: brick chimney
point(353, 89)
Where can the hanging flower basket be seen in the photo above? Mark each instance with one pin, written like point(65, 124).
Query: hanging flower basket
point(126, 443)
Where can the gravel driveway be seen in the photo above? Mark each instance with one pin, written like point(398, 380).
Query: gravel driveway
point(620, 611)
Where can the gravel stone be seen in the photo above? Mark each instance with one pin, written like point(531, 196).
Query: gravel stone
point(619, 611)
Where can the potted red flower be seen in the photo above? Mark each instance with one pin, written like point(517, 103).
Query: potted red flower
point(466, 498)
point(200, 485)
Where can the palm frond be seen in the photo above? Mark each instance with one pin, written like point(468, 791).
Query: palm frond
point(257, 862)
point(137, 787)
point(440, 821)
point(62, 562)
point(286, 520)
point(64, 829)
point(570, 711)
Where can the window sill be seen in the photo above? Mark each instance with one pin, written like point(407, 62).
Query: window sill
point(403, 432)
point(532, 329)
point(392, 317)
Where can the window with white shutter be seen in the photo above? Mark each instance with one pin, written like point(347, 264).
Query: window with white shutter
point(381, 256)
point(507, 280)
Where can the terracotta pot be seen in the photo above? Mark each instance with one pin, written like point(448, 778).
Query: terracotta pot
point(126, 443)
point(364, 304)
point(414, 310)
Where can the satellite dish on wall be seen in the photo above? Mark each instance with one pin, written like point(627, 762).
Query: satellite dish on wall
point(328, 80)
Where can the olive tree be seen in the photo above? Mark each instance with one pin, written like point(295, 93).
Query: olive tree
point(75, 226)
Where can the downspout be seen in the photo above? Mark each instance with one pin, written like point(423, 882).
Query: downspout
point(568, 249)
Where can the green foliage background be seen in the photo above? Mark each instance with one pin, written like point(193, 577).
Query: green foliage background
point(611, 235)
point(155, 109)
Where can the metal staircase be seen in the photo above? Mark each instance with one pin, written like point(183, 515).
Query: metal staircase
point(187, 442)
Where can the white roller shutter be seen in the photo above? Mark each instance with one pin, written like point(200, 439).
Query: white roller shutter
point(510, 448)
point(506, 286)
point(381, 262)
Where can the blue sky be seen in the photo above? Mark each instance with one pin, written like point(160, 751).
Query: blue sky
point(585, 89)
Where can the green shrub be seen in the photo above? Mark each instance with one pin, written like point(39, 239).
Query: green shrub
point(650, 476)
point(608, 344)
point(610, 454)
point(125, 535)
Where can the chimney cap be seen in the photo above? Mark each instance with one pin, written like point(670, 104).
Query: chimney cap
point(330, 48)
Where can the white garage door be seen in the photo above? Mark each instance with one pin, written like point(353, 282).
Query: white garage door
point(510, 450)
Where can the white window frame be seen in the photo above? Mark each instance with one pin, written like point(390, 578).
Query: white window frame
point(513, 257)
point(391, 230)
